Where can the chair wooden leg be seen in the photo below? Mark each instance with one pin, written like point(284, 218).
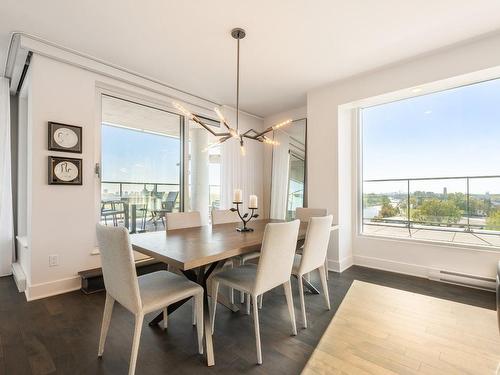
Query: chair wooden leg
point(326, 269)
point(324, 284)
point(193, 313)
point(139, 318)
point(106, 320)
point(302, 302)
point(198, 300)
point(165, 317)
point(214, 293)
point(289, 301)
point(257, 330)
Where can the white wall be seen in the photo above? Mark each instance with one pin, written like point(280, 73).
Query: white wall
point(23, 172)
point(332, 166)
point(61, 219)
point(294, 114)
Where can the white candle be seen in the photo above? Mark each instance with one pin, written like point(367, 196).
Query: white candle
point(253, 202)
point(238, 196)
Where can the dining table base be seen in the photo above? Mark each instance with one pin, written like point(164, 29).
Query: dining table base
point(311, 288)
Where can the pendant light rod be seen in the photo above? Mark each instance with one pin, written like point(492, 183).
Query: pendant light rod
point(238, 86)
point(238, 33)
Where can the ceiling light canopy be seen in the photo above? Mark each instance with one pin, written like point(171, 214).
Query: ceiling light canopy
point(230, 132)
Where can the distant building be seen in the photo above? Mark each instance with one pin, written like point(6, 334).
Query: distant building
point(445, 192)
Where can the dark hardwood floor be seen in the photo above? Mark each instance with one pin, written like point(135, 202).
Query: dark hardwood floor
point(59, 335)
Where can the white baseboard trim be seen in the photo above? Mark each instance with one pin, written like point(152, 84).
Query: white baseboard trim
point(340, 266)
point(52, 288)
point(391, 266)
point(19, 277)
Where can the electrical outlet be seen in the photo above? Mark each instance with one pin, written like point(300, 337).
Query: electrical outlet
point(53, 260)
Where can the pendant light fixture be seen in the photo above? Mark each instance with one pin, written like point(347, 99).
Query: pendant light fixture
point(230, 132)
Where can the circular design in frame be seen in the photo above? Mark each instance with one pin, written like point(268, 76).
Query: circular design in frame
point(65, 137)
point(64, 171)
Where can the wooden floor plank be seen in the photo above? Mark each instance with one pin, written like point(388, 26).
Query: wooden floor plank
point(59, 335)
point(407, 333)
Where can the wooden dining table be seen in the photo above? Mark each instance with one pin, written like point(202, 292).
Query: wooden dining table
point(197, 252)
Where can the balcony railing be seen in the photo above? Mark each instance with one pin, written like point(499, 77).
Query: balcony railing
point(142, 202)
point(119, 189)
point(462, 204)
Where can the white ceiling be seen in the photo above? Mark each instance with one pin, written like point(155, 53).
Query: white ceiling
point(291, 46)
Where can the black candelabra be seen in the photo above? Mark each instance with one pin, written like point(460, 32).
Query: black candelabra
point(245, 218)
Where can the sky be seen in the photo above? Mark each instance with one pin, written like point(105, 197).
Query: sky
point(450, 133)
point(135, 156)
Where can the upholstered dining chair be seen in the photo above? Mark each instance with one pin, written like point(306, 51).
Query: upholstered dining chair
point(313, 257)
point(225, 217)
point(139, 295)
point(274, 269)
point(304, 214)
point(180, 220)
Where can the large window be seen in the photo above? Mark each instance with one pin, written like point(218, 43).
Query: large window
point(140, 164)
point(431, 166)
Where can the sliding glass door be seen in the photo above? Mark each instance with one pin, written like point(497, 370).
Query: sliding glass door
point(140, 164)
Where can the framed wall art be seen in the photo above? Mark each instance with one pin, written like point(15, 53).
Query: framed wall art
point(65, 171)
point(66, 138)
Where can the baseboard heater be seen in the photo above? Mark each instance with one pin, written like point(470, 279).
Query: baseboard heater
point(471, 281)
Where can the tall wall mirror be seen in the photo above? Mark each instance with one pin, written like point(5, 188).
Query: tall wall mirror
point(289, 175)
